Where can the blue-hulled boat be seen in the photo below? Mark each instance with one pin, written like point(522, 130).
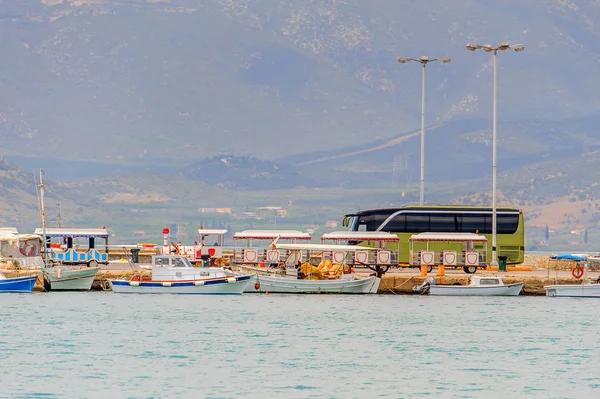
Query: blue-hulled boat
point(17, 284)
point(174, 274)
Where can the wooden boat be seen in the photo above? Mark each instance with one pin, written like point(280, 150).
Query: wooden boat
point(61, 278)
point(17, 284)
point(297, 275)
point(174, 274)
point(479, 286)
point(349, 284)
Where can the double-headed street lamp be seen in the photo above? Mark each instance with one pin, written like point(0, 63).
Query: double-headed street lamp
point(488, 49)
point(424, 60)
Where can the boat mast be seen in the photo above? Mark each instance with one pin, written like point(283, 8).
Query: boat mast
point(58, 216)
point(43, 215)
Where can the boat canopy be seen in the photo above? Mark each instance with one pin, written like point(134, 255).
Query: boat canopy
point(322, 247)
point(271, 235)
point(69, 232)
point(11, 237)
point(8, 230)
point(574, 257)
point(207, 232)
point(462, 237)
point(360, 236)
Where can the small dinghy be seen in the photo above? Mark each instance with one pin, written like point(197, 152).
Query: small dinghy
point(479, 286)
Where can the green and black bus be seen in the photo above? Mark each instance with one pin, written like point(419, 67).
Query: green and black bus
point(414, 219)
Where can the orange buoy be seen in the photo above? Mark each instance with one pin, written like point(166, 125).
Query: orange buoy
point(577, 272)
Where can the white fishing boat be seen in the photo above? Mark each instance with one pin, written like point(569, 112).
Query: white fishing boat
point(479, 286)
point(297, 274)
point(585, 288)
point(62, 278)
point(174, 274)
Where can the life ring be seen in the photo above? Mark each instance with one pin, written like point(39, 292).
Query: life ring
point(26, 250)
point(577, 272)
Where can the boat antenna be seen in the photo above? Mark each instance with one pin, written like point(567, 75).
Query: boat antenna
point(43, 215)
point(58, 216)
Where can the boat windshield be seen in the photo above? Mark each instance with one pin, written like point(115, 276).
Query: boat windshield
point(489, 281)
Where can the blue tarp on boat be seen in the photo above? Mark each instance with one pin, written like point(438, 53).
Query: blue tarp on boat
point(569, 257)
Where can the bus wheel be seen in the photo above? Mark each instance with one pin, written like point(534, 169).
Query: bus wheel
point(470, 269)
point(429, 269)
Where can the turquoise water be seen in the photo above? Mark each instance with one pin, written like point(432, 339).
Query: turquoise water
point(104, 345)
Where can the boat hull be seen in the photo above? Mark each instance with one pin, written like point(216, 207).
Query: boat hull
point(217, 286)
point(573, 290)
point(467, 290)
point(283, 285)
point(71, 280)
point(18, 284)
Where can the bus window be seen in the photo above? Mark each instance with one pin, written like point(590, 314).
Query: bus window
point(397, 224)
point(443, 223)
point(507, 224)
point(473, 223)
point(417, 222)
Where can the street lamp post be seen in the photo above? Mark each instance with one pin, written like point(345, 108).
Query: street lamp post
point(488, 49)
point(424, 60)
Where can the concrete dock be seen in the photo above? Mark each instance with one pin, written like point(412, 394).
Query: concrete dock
point(536, 272)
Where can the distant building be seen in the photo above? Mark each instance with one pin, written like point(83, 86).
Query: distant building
point(215, 210)
point(139, 233)
point(331, 224)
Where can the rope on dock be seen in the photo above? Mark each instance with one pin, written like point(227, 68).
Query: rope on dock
point(398, 287)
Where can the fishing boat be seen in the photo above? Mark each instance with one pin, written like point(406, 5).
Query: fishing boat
point(315, 269)
point(585, 288)
point(175, 274)
point(61, 278)
point(66, 265)
point(20, 251)
point(479, 286)
point(17, 284)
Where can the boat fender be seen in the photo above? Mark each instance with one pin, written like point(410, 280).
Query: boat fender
point(59, 272)
point(257, 286)
point(577, 272)
point(231, 280)
point(134, 283)
point(198, 283)
point(166, 284)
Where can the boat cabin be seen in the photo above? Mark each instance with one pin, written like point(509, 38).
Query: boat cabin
point(75, 246)
point(21, 251)
point(179, 267)
point(206, 249)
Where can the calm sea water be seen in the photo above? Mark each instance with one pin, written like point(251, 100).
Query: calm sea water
point(115, 346)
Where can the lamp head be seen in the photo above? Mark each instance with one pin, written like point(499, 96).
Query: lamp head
point(517, 47)
point(504, 46)
point(403, 60)
point(424, 59)
point(487, 48)
point(473, 47)
point(444, 60)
